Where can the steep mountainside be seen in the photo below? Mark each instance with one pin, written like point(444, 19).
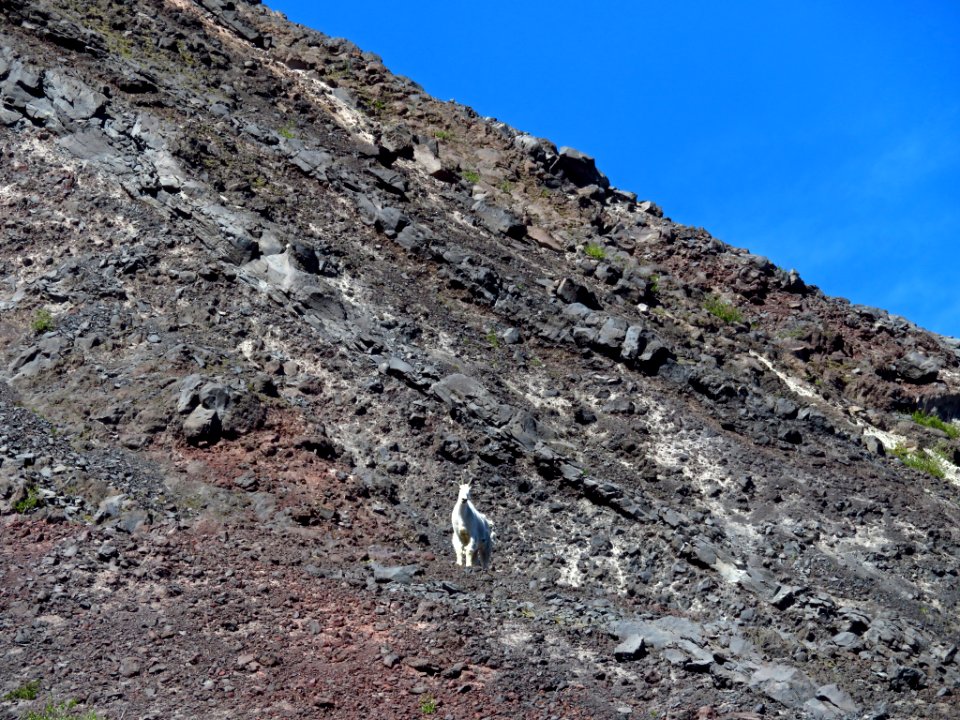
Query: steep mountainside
point(262, 305)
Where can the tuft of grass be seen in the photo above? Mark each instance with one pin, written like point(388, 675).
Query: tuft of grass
point(27, 691)
point(932, 421)
point(595, 251)
point(428, 705)
point(471, 176)
point(654, 284)
point(42, 321)
point(287, 131)
point(60, 711)
point(185, 54)
point(944, 452)
point(918, 460)
point(491, 337)
point(723, 310)
point(378, 107)
point(505, 186)
point(442, 134)
point(30, 502)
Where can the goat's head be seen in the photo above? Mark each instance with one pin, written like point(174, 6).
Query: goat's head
point(464, 492)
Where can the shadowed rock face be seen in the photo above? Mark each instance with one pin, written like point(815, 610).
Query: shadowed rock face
point(264, 304)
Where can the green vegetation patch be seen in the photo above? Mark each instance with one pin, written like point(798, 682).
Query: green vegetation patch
point(30, 502)
point(471, 176)
point(60, 711)
point(492, 338)
point(428, 705)
point(287, 131)
point(918, 460)
point(595, 251)
point(723, 310)
point(932, 421)
point(42, 321)
point(442, 134)
point(27, 691)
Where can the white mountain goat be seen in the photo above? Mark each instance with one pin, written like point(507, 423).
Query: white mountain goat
point(472, 536)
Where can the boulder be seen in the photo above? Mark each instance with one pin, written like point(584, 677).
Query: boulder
point(202, 426)
point(632, 648)
point(499, 221)
point(71, 98)
point(579, 168)
point(917, 368)
point(571, 291)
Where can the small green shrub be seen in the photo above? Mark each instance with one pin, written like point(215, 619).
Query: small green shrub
point(471, 176)
point(30, 502)
point(595, 251)
point(654, 284)
point(42, 321)
point(932, 421)
point(27, 691)
point(492, 338)
point(287, 132)
point(723, 310)
point(918, 460)
point(428, 705)
point(505, 186)
point(442, 134)
point(378, 106)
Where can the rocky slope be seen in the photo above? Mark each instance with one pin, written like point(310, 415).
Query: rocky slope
point(264, 302)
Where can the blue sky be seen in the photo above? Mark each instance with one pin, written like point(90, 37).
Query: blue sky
point(824, 135)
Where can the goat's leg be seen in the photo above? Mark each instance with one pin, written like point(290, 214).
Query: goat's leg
point(470, 552)
point(484, 554)
point(458, 548)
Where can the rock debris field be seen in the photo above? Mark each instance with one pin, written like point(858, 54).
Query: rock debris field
point(263, 304)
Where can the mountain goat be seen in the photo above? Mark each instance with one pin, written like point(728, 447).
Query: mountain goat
point(472, 537)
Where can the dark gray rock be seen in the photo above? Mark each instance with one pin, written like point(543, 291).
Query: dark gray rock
point(498, 220)
point(612, 334)
point(402, 574)
point(838, 698)
point(70, 97)
point(571, 291)
point(108, 551)
point(454, 449)
point(633, 343)
point(873, 445)
point(632, 648)
point(785, 684)
point(906, 678)
point(422, 665)
point(389, 180)
point(916, 368)
point(784, 408)
point(847, 641)
point(313, 162)
point(579, 168)
point(202, 426)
